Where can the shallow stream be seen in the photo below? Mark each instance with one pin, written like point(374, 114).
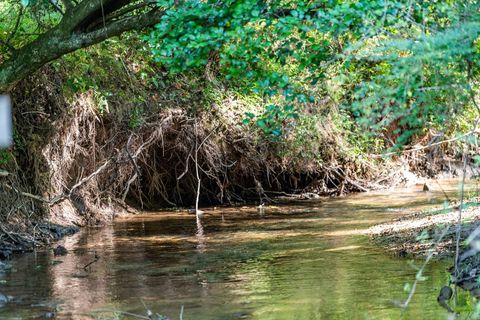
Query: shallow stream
point(306, 260)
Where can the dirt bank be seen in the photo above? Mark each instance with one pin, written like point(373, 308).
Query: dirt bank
point(419, 232)
point(85, 153)
point(434, 234)
point(82, 158)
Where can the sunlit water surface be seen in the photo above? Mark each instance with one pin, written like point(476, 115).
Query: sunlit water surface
point(306, 261)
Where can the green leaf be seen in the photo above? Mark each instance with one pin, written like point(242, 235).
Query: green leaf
point(276, 132)
point(261, 123)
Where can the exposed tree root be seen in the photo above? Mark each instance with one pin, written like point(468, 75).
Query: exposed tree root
point(72, 167)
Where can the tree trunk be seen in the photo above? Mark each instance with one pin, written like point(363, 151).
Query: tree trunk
point(67, 37)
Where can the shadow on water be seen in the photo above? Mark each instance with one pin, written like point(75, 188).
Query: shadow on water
point(292, 261)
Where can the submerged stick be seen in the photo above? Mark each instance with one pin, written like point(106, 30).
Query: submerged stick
point(196, 171)
point(91, 262)
point(459, 221)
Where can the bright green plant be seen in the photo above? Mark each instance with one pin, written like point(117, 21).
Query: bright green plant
point(392, 63)
point(136, 118)
point(5, 157)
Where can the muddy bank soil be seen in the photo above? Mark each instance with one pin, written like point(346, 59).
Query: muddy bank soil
point(419, 232)
point(43, 235)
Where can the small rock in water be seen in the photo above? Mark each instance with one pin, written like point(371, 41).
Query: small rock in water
point(426, 187)
point(241, 315)
point(445, 293)
point(402, 253)
point(49, 315)
point(193, 211)
point(60, 251)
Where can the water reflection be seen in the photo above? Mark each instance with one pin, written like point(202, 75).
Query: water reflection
point(306, 260)
point(80, 281)
point(200, 236)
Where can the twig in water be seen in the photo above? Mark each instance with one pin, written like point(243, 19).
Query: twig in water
point(459, 221)
point(197, 198)
point(96, 258)
point(149, 312)
point(443, 191)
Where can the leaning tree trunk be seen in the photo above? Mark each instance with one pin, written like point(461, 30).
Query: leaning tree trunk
point(79, 28)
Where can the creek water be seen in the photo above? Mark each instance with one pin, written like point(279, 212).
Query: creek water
point(305, 260)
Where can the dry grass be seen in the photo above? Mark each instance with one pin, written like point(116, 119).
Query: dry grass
point(73, 165)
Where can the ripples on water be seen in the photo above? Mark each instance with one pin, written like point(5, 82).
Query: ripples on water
point(305, 260)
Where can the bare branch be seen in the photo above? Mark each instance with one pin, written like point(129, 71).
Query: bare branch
point(28, 195)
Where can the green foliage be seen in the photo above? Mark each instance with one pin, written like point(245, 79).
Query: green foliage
point(236, 36)
point(21, 21)
point(136, 118)
point(396, 66)
point(5, 157)
point(274, 119)
point(421, 81)
point(116, 75)
point(102, 102)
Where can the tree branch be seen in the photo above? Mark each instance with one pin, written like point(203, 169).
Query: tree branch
point(56, 6)
point(57, 41)
point(115, 28)
point(68, 4)
point(118, 14)
point(88, 11)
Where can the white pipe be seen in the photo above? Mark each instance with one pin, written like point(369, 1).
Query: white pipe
point(5, 121)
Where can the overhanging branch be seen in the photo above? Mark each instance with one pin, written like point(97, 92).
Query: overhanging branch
point(72, 34)
point(118, 27)
point(88, 11)
point(68, 4)
point(117, 14)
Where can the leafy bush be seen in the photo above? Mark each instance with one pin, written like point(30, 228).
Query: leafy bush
point(397, 66)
